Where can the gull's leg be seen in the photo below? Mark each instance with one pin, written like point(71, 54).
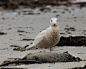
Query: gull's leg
point(51, 49)
point(43, 50)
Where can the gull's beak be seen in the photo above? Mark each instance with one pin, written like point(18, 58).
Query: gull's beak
point(54, 24)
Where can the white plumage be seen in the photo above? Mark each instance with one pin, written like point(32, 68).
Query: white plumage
point(49, 37)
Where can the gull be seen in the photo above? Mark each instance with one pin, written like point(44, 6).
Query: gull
point(48, 37)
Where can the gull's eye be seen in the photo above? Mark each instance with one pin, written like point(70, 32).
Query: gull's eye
point(51, 21)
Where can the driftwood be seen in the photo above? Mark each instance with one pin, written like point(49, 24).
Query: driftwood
point(43, 57)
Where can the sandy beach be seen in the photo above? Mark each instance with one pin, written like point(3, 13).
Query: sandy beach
point(15, 27)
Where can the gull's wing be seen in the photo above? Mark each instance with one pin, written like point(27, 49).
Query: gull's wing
point(38, 39)
point(40, 36)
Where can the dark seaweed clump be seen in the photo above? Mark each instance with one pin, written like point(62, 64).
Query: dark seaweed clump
point(72, 41)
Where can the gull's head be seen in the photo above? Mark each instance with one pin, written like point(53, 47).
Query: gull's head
point(54, 22)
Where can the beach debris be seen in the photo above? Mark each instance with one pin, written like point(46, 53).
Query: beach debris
point(29, 12)
point(15, 46)
point(43, 57)
point(70, 29)
point(68, 32)
point(63, 12)
point(55, 11)
point(72, 41)
point(7, 62)
point(19, 48)
point(57, 15)
point(2, 33)
point(21, 35)
point(62, 33)
point(21, 31)
point(84, 30)
point(3, 18)
point(9, 28)
point(27, 39)
point(45, 9)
